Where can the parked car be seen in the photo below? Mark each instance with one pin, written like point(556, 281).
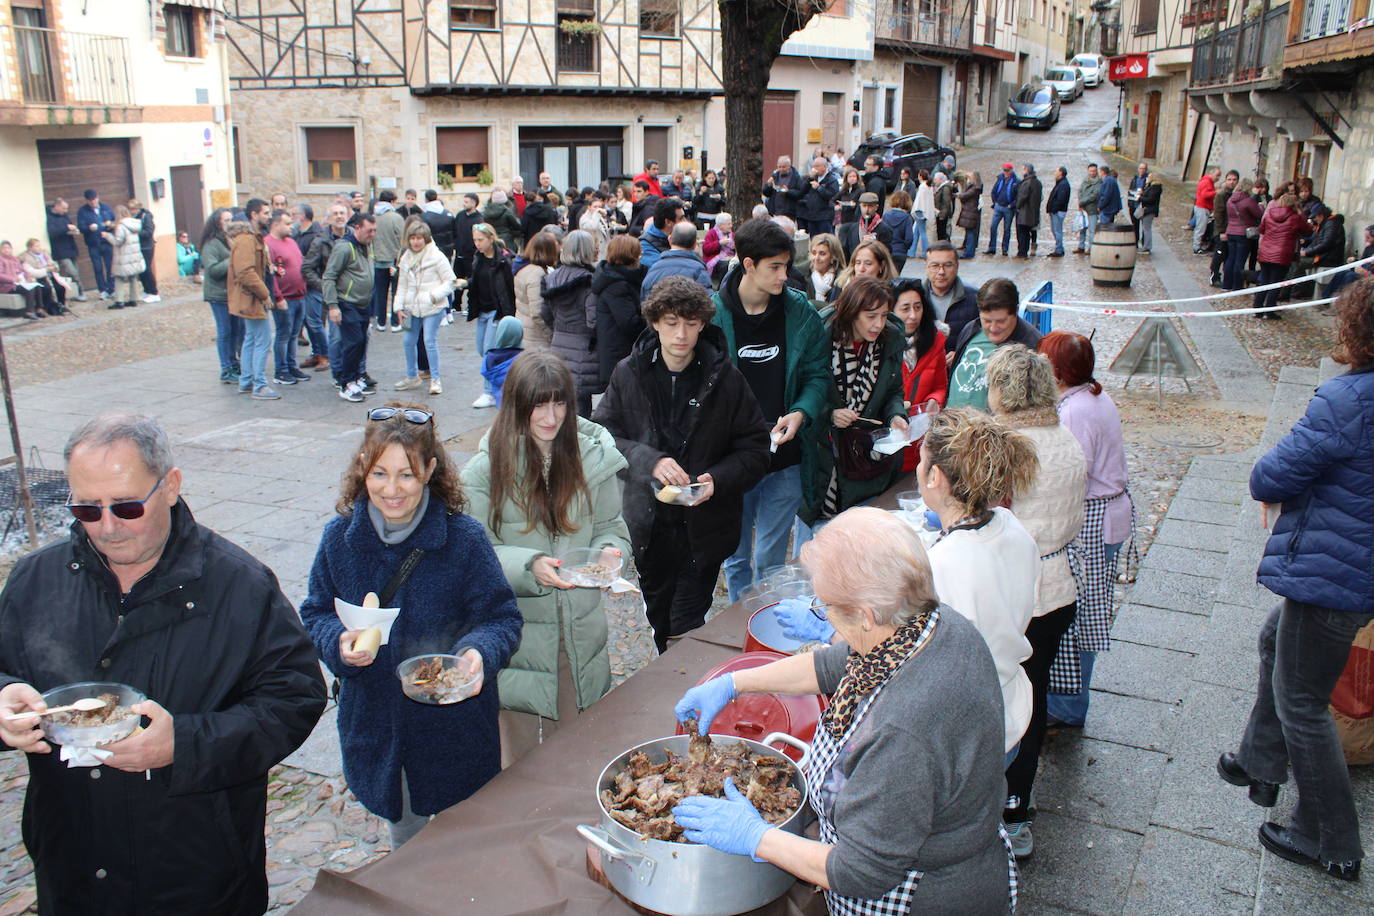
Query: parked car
point(1034, 106)
point(912, 151)
point(1094, 69)
point(1067, 81)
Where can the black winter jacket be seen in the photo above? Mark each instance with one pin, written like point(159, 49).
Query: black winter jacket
point(1028, 194)
point(818, 203)
point(618, 321)
point(209, 636)
point(537, 216)
point(317, 258)
point(784, 192)
point(147, 230)
point(463, 247)
point(1328, 242)
point(441, 228)
point(569, 309)
point(62, 242)
point(491, 287)
point(1058, 200)
point(727, 437)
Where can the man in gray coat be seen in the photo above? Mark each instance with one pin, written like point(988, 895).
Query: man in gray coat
point(385, 249)
point(1087, 202)
point(1028, 198)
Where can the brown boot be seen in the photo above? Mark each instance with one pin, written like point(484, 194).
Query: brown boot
point(310, 362)
point(322, 365)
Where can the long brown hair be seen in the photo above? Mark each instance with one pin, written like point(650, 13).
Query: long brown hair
point(536, 377)
point(420, 442)
point(862, 294)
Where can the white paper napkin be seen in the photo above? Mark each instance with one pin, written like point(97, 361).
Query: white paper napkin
point(895, 441)
point(355, 617)
point(83, 756)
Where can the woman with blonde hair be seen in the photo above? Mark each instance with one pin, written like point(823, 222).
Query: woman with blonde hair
point(1022, 394)
point(870, 259)
point(543, 481)
point(827, 262)
point(541, 254)
point(128, 257)
point(984, 561)
point(424, 280)
point(401, 532)
point(491, 294)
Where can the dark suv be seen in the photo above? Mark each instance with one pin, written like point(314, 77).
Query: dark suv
point(912, 151)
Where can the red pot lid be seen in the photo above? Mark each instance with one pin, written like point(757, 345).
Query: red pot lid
point(756, 715)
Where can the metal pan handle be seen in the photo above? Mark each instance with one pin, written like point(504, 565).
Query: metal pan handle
point(642, 865)
point(784, 738)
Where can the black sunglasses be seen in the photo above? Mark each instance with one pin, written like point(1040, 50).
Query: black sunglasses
point(128, 509)
point(413, 414)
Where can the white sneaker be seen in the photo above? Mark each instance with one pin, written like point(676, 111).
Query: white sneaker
point(397, 328)
point(448, 318)
point(485, 400)
point(152, 298)
point(435, 387)
point(351, 392)
point(406, 384)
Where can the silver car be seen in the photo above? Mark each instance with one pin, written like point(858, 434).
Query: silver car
point(1066, 80)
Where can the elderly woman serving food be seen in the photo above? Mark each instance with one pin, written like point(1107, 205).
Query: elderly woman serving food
point(905, 772)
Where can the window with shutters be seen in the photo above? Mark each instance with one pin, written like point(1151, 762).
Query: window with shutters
point(331, 155)
point(183, 24)
point(658, 18)
point(1147, 17)
point(461, 151)
point(472, 14)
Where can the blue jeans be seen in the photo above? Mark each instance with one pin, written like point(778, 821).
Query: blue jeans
point(314, 323)
point(383, 281)
point(228, 335)
point(970, 244)
point(1004, 217)
point(1147, 232)
point(1057, 227)
point(430, 325)
point(1073, 708)
point(919, 239)
point(1085, 233)
point(352, 340)
point(1237, 250)
point(288, 323)
point(484, 322)
point(334, 336)
point(102, 262)
point(1303, 649)
point(769, 509)
point(257, 340)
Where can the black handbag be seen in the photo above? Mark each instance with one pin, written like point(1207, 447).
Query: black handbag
point(854, 455)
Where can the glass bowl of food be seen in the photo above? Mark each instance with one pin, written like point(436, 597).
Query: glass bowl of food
point(112, 722)
point(590, 567)
point(437, 679)
point(680, 494)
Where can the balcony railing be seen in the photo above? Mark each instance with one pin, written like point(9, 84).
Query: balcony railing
point(1321, 18)
point(946, 24)
point(1203, 11)
point(1242, 53)
point(68, 69)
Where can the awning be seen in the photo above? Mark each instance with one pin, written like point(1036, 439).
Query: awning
point(215, 5)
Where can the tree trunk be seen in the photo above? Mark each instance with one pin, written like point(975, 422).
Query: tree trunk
point(752, 33)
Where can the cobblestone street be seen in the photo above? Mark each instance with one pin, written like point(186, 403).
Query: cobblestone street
point(160, 360)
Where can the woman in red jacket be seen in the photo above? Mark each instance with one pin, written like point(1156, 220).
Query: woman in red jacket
point(1280, 228)
point(924, 377)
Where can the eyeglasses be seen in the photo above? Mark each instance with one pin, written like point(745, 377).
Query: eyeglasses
point(412, 414)
point(128, 509)
point(817, 609)
point(940, 265)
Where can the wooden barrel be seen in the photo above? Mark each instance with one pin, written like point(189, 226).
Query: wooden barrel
point(1113, 255)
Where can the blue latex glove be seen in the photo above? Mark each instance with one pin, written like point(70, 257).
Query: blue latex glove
point(797, 622)
point(730, 824)
point(704, 701)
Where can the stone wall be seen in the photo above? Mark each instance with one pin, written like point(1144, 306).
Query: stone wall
point(1172, 104)
point(1350, 174)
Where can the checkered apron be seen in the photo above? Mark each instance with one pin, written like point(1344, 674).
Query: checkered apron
point(1096, 581)
point(825, 750)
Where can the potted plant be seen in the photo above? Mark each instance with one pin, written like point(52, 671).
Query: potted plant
point(1207, 30)
point(584, 28)
point(485, 178)
point(1253, 10)
point(444, 180)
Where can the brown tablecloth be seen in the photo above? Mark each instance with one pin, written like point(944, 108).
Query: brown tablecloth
point(512, 848)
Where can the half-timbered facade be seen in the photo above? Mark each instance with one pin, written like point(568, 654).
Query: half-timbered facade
point(375, 93)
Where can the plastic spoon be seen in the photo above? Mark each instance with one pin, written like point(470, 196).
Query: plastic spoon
point(89, 704)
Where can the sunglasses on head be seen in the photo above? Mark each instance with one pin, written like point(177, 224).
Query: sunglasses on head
point(412, 414)
point(128, 509)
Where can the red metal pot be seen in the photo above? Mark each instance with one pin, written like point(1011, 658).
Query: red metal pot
point(755, 715)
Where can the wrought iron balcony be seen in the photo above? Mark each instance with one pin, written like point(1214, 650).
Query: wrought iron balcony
point(54, 70)
point(1244, 53)
point(943, 24)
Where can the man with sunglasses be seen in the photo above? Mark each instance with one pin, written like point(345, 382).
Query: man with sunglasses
point(170, 819)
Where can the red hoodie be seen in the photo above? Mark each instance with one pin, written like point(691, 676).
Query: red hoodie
point(1280, 229)
point(920, 383)
point(1206, 192)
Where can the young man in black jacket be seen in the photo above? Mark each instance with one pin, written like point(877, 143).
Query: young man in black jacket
point(1056, 205)
point(682, 414)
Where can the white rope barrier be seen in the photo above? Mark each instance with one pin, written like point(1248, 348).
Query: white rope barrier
point(1090, 307)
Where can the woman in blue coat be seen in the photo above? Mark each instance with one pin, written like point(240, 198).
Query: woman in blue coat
point(1319, 482)
point(400, 497)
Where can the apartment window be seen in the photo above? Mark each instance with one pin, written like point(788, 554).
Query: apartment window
point(182, 25)
point(1147, 17)
point(331, 155)
point(890, 108)
point(658, 18)
point(578, 37)
point(35, 61)
point(461, 151)
point(472, 14)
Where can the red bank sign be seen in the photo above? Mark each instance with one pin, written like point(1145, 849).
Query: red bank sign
point(1129, 67)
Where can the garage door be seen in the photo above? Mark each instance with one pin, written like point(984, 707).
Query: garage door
point(921, 101)
point(71, 166)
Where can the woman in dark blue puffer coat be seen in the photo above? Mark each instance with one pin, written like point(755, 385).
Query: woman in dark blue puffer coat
point(406, 760)
point(1319, 481)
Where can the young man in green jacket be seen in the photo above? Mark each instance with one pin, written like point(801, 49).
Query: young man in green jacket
point(346, 286)
point(777, 341)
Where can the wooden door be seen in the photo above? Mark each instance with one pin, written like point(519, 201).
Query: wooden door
point(921, 101)
point(69, 167)
point(188, 203)
point(779, 128)
point(1152, 126)
point(656, 147)
point(830, 119)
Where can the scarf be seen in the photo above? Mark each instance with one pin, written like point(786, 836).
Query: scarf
point(865, 673)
